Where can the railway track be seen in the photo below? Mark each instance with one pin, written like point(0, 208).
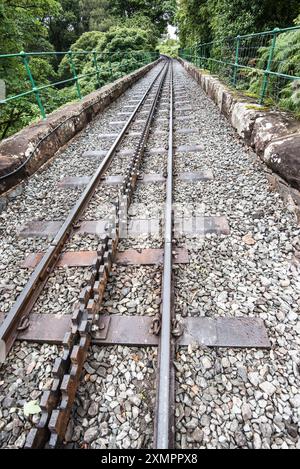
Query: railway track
point(154, 333)
point(57, 403)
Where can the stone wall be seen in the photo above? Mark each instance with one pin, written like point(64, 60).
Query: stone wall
point(43, 139)
point(274, 135)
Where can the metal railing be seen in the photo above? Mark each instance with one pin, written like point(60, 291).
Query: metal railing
point(139, 58)
point(266, 65)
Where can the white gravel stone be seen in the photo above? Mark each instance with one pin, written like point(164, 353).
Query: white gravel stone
point(91, 434)
point(268, 388)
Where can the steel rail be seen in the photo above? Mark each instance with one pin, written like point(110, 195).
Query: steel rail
point(57, 408)
point(31, 292)
point(163, 431)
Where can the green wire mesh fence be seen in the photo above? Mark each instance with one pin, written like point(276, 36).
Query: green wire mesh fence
point(264, 65)
point(25, 81)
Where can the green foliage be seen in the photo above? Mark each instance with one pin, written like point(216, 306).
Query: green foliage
point(97, 15)
point(22, 24)
point(117, 52)
point(116, 30)
point(140, 21)
point(169, 47)
point(221, 21)
point(102, 15)
point(89, 42)
point(205, 20)
point(65, 26)
point(193, 20)
point(125, 39)
point(112, 49)
point(160, 12)
point(22, 27)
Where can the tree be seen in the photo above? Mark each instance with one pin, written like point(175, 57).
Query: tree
point(243, 17)
point(88, 42)
point(97, 15)
point(22, 24)
point(101, 15)
point(119, 51)
point(193, 20)
point(160, 12)
point(169, 47)
point(125, 39)
point(65, 27)
point(125, 49)
point(22, 27)
point(206, 20)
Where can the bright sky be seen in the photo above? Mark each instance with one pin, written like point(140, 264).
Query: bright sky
point(172, 32)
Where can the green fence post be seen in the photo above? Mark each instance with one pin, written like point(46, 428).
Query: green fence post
point(33, 85)
point(201, 61)
point(75, 76)
point(96, 67)
point(110, 66)
point(117, 57)
point(268, 69)
point(206, 57)
point(237, 54)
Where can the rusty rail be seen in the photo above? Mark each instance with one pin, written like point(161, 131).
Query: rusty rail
point(57, 403)
point(31, 292)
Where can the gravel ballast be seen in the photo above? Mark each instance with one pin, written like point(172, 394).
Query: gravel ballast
point(233, 398)
point(115, 402)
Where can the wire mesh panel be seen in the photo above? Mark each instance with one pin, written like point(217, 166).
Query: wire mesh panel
point(284, 82)
point(264, 65)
